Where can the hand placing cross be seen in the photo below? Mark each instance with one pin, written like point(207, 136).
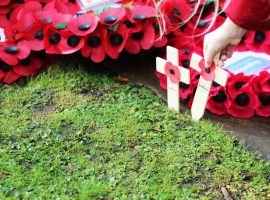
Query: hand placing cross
point(208, 75)
point(175, 75)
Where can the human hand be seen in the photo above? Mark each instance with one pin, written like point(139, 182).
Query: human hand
point(222, 40)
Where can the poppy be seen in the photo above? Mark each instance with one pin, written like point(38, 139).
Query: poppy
point(263, 108)
point(10, 52)
point(243, 101)
point(207, 73)
point(94, 45)
point(52, 39)
point(172, 72)
point(255, 40)
point(116, 40)
point(28, 66)
point(139, 13)
point(112, 16)
point(142, 39)
point(83, 25)
point(218, 100)
point(6, 73)
point(33, 38)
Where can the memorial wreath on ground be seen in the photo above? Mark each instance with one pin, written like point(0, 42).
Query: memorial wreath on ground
point(106, 28)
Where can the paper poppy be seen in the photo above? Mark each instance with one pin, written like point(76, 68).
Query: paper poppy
point(10, 53)
point(6, 73)
point(139, 13)
point(243, 101)
point(70, 43)
point(33, 38)
point(28, 66)
point(116, 40)
point(94, 46)
point(218, 101)
point(254, 40)
point(172, 72)
point(52, 39)
point(83, 25)
point(207, 73)
point(112, 16)
point(263, 108)
point(143, 39)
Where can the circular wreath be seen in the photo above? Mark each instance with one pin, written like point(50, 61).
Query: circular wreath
point(35, 26)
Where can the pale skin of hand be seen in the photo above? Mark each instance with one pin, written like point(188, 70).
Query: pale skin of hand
point(222, 40)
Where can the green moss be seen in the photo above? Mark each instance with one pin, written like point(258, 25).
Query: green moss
point(72, 135)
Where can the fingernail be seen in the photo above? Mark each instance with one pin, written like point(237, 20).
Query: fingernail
point(207, 70)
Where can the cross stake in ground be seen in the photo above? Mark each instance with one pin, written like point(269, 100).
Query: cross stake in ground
point(215, 73)
point(175, 75)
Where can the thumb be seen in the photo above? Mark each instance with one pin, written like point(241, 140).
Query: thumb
point(209, 56)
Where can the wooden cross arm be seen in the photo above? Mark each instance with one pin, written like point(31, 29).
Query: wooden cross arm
point(221, 75)
point(184, 73)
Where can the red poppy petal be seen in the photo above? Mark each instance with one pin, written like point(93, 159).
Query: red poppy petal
point(98, 54)
point(132, 46)
point(149, 36)
point(90, 19)
point(11, 77)
point(9, 59)
point(116, 14)
point(23, 52)
point(28, 70)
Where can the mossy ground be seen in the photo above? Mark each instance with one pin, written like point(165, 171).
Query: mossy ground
point(68, 134)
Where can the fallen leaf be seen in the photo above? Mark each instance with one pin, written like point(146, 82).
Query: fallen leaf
point(69, 168)
point(216, 159)
point(24, 136)
point(121, 79)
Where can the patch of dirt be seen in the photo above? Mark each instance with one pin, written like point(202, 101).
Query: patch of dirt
point(44, 109)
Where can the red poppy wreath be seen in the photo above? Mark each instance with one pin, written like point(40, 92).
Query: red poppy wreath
point(59, 27)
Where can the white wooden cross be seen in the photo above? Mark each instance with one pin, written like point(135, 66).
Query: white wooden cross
point(171, 69)
point(219, 75)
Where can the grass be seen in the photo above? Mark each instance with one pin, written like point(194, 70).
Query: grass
point(71, 135)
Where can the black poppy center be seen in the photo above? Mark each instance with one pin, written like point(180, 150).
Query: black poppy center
point(264, 99)
point(116, 39)
point(259, 36)
point(129, 24)
point(54, 38)
point(185, 63)
point(183, 85)
point(137, 36)
point(139, 17)
point(94, 41)
point(4, 67)
point(220, 97)
point(239, 85)
point(202, 23)
point(39, 34)
point(84, 27)
point(172, 71)
point(242, 99)
point(268, 81)
point(73, 41)
point(186, 51)
point(207, 70)
point(26, 61)
point(176, 11)
point(215, 84)
point(110, 19)
point(11, 49)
